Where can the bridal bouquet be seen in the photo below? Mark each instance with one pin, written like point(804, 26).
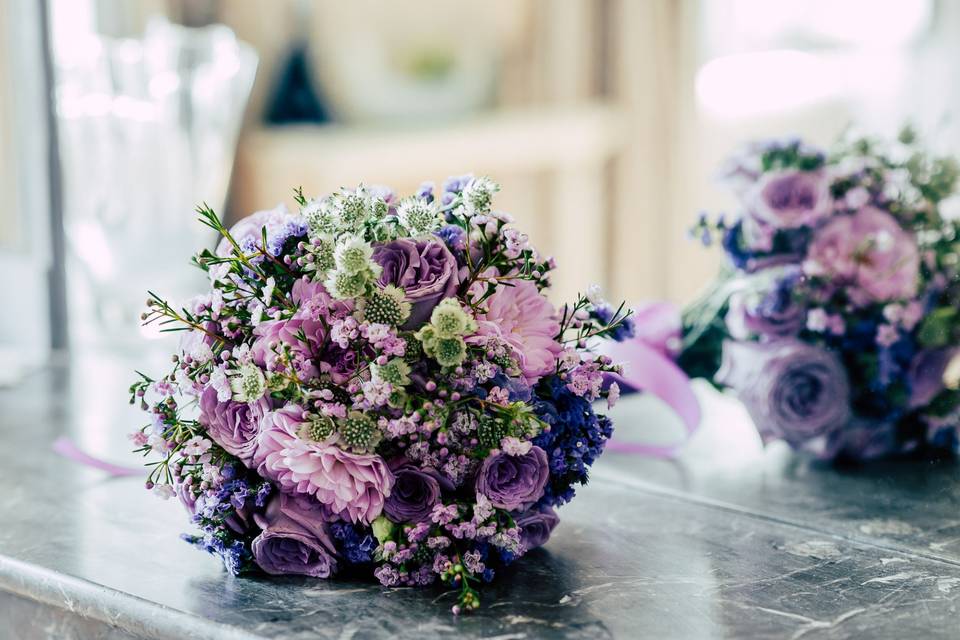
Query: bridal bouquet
point(836, 316)
point(377, 386)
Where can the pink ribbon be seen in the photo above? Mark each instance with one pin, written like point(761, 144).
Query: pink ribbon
point(648, 365)
point(69, 450)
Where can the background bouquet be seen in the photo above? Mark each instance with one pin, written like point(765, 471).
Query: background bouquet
point(835, 318)
point(377, 385)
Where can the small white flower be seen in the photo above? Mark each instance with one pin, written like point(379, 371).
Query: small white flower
point(211, 474)
point(201, 352)
point(515, 447)
point(817, 320)
point(216, 302)
point(221, 384)
point(268, 289)
point(196, 446)
point(595, 294)
point(893, 312)
point(158, 444)
point(613, 394)
point(256, 309)
point(856, 197)
point(164, 491)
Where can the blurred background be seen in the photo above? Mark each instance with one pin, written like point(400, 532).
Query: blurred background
point(604, 120)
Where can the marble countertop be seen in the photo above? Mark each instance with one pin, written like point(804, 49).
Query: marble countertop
point(728, 541)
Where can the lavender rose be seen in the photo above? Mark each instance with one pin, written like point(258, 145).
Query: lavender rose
point(791, 199)
point(424, 268)
point(793, 390)
point(295, 539)
point(233, 425)
point(925, 375)
point(415, 492)
point(515, 482)
point(536, 527)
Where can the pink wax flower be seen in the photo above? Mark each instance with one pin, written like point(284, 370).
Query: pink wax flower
point(353, 486)
point(791, 199)
point(870, 250)
point(525, 320)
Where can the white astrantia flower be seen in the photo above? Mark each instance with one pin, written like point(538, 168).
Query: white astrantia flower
point(353, 209)
point(478, 195)
point(321, 217)
point(353, 255)
point(418, 216)
point(249, 384)
point(346, 286)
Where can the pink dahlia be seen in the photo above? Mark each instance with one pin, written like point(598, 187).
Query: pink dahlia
point(527, 322)
point(353, 486)
point(870, 250)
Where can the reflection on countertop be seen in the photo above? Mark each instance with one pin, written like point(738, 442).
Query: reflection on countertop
point(727, 541)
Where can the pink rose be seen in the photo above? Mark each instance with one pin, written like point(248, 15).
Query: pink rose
point(870, 250)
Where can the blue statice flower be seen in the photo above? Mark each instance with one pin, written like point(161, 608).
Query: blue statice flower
point(576, 438)
point(355, 543)
point(518, 389)
point(294, 228)
point(234, 553)
point(739, 255)
point(625, 330)
point(454, 237)
point(454, 185)
point(426, 191)
point(262, 494)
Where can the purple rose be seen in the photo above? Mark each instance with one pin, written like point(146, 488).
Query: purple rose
point(790, 199)
point(295, 538)
point(925, 375)
point(425, 269)
point(514, 483)
point(233, 425)
point(536, 527)
point(792, 390)
point(768, 307)
point(415, 492)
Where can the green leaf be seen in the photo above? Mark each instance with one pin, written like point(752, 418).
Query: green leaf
point(936, 329)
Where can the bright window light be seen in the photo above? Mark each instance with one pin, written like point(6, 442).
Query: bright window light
point(764, 82)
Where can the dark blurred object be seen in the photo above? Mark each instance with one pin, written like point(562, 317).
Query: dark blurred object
point(294, 99)
point(193, 13)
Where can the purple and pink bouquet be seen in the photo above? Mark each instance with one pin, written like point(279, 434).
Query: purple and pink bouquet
point(378, 386)
point(836, 316)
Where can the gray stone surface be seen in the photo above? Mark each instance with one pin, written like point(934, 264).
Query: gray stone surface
point(728, 541)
